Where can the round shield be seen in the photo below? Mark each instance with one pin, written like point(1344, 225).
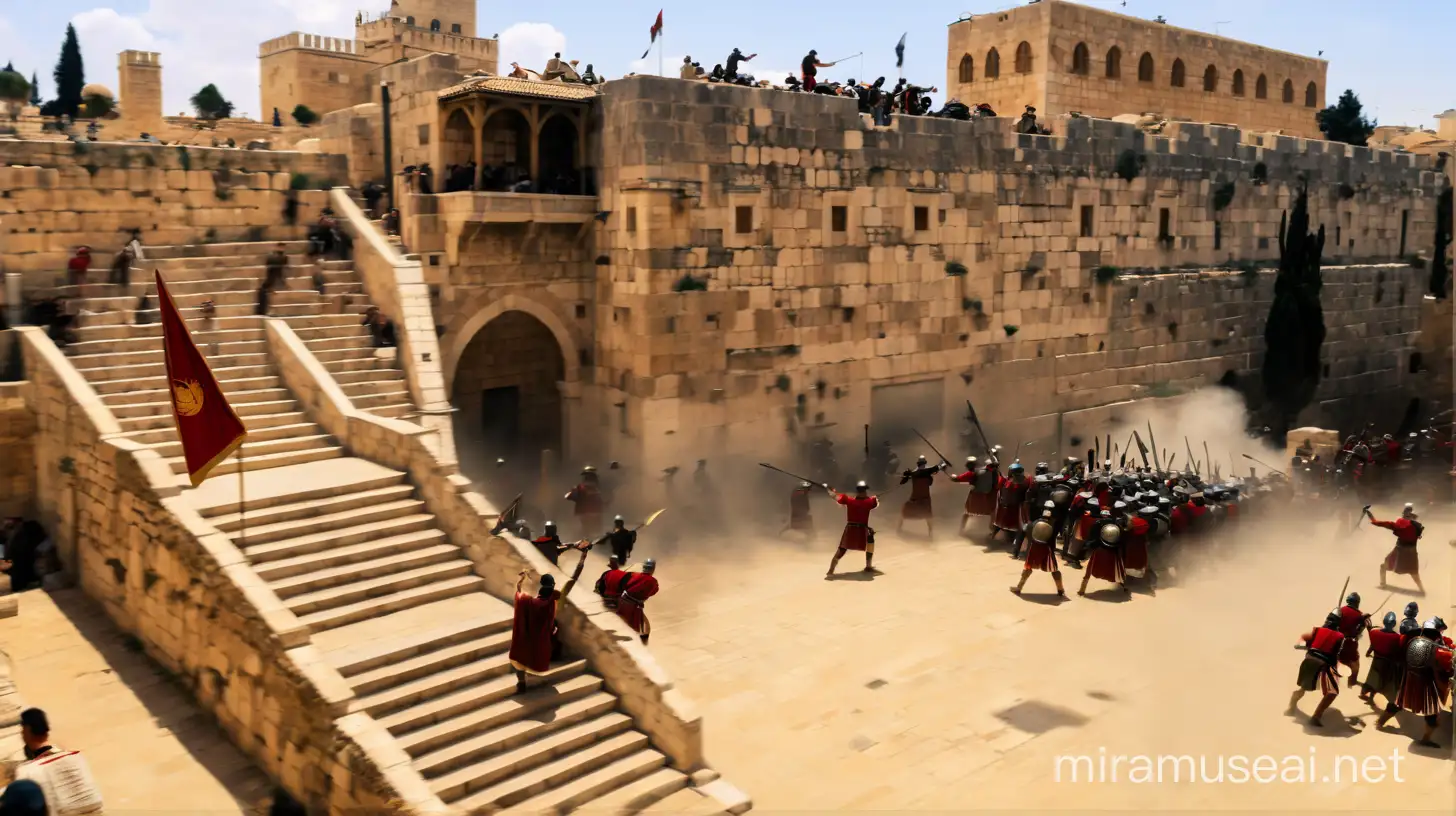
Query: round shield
point(1420, 653)
point(1042, 532)
point(1061, 496)
point(1161, 526)
point(1109, 534)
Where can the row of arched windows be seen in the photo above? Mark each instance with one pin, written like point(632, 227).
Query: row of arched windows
point(1082, 64)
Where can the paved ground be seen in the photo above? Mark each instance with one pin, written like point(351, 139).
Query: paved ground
point(932, 687)
point(152, 751)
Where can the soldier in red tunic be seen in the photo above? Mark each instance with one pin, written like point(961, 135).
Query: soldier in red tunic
point(1041, 553)
point(918, 505)
point(1318, 668)
point(587, 496)
point(1352, 623)
point(857, 535)
point(534, 630)
point(636, 589)
point(1385, 657)
point(1106, 562)
point(1426, 679)
point(981, 500)
point(800, 519)
point(1135, 550)
point(1011, 491)
point(609, 585)
point(1403, 559)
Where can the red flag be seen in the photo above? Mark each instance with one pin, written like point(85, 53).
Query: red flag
point(656, 31)
point(209, 429)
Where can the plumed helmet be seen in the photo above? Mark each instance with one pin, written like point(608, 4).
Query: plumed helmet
point(1353, 600)
point(1409, 510)
point(1389, 621)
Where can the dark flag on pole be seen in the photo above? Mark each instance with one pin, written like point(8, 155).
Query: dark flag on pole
point(656, 32)
point(900, 52)
point(507, 520)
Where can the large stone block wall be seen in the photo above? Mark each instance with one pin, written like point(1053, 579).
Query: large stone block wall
point(59, 195)
point(324, 80)
point(949, 233)
point(1053, 29)
point(17, 450)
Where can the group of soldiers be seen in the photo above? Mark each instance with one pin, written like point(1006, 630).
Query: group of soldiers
point(1410, 666)
point(1367, 467)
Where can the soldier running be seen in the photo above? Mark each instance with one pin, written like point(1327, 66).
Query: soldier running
point(1385, 656)
point(587, 496)
point(1426, 679)
point(621, 540)
point(1011, 493)
point(1106, 563)
point(1318, 668)
point(857, 535)
point(609, 585)
point(550, 544)
point(1041, 553)
point(800, 518)
point(1403, 559)
point(636, 589)
point(533, 636)
point(917, 506)
point(981, 500)
point(1352, 623)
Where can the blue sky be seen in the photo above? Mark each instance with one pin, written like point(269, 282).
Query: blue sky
point(1396, 56)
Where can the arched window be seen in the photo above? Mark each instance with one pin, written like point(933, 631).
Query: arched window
point(1023, 58)
point(1311, 95)
point(409, 21)
point(993, 64)
point(1180, 76)
point(434, 25)
point(1081, 60)
point(1261, 87)
point(968, 69)
point(1288, 92)
point(1239, 82)
point(1114, 62)
point(1145, 68)
point(1210, 79)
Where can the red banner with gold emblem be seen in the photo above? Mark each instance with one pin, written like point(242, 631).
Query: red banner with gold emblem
point(209, 429)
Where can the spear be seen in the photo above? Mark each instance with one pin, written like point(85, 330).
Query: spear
point(1341, 601)
point(1152, 440)
point(1265, 464)
point(1208, 459)
point(1193, 463)
point(1142, 449)
point(932, 447)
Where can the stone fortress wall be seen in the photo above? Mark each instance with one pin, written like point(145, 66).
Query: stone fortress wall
point(1062, 57)
point(938, 260)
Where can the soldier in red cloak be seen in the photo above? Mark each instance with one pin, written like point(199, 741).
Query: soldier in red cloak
point(1403, 559)
point(1352, 623)
point(636, 589)
point(609, 585)
point(1011, 491)
point(1041, 552)
point(800, 519)
point(1106, 562)
point(587, 496)
point(1135, 548)
point(857, 535)
point(1385, 662)
point(1318, 668)
point(918, 505)
point(1426, 680)
point(534, 629)
point(981, 500)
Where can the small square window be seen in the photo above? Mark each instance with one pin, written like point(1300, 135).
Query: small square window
point(1218, 235)
point(922, 219)
point(454, 28)
point(1088, 213)
point(424, 135)
point(581, 311)
point(839, 219)
point(1165, 220)
point(631, 219)
point(743, 220)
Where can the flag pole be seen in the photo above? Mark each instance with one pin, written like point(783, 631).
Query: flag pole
point(661, 70)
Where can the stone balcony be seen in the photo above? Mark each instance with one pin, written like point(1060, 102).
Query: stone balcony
point(458, 215)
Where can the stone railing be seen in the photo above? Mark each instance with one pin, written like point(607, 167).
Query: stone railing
point(397, 286)
point(181, 587)
point(597, 634)
point(492, 208)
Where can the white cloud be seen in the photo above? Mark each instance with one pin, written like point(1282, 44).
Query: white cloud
point(103, 33)
point(531, 44)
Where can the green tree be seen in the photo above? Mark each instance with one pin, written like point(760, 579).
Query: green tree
point(1295, 330)
point(35, 89)
point(14, 90)
point(304, 115)
point(97, 106)
point(210, 104)
point(70, 76)
point(1345, 121)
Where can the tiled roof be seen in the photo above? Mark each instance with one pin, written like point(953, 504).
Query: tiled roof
point(520, 87)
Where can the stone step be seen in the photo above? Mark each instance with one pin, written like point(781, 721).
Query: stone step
point(346, 354)
point(198, 325)
point(404, 411)
point(203, 339)
point(216, 354)
point(245, 365)
point(162, 252)
point(266, 461)
point(368, 578)
point(465, 767)
point(405, 671)
point(327, 504)
point(385, 604)
point(320, 482)
point(369, 587)
point(165, 442)
point(652, 793)
point(434, 686)
point(333, 539)
point(260, 451)
point(351, 554)
point(154, 389)
point(336, 520)
point(268, 401)
point(221, 291)
point(432, 725)
point(366, 375)
point(575, 778)
point(166, 431)
point(375, 663)
point(365, 402)
point(223, 312)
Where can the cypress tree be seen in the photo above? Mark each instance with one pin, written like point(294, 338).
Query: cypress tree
point(1295, 330)
point(35, 89)
point(70, 75)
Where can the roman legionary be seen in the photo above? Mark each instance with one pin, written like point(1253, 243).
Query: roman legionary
point(1041, 553)
point(1011, 491)
point(857, 535)
point(1411, 624)
point(1318, 668)
point(636, 590)
point(918, 505)
point(981, 500)
point(550, 544)
point(621, 540)
point(1135, 550)
point(1352, 623)
point(1385, 662)
point(1084, 529)
point(1425, 681)
point(800, 520)
point(1106, 562)
point(533, 634)
point(1403, 559)
point(609, 585)
point(587, 496)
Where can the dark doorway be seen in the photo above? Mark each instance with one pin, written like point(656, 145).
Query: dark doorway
point(500, 421)
point(507, 147)
point(558, 148)
point(1404, 223)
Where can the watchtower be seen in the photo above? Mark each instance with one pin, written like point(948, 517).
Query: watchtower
point(140, 89)
point(446, 16)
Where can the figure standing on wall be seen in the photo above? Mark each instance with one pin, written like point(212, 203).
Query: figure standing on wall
point(810, 68)
point(277, 118)
point(730, 68)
